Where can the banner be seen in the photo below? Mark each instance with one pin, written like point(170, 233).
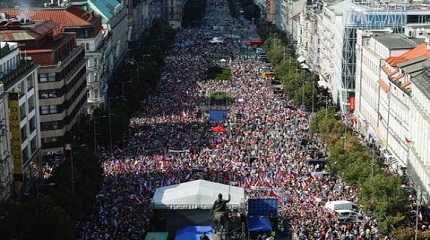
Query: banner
point(14, 119)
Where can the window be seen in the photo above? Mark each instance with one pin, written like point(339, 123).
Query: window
point(22, 111)
point(45, 94)
point(30, 82)
point(43, 77)
point(49, 140)
point(50, 109)
point(31, 103)
point(46, 77)
point(53, 109)
point(54, 125)
point(44, 110)
point(51, 77)
point(32, 124)
point(24, 133)
point(25, 156)
point(22, 89)
point(33, 145)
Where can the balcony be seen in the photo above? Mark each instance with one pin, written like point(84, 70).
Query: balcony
point(24, 68)
point(6, 49)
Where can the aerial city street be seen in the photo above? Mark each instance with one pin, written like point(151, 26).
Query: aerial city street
point(214, 120)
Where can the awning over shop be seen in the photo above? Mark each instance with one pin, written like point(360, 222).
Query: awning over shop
point(259, 224)
point(199, 194)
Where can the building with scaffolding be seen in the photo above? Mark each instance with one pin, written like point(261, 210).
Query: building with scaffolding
point(325, 34)
point(340, 23)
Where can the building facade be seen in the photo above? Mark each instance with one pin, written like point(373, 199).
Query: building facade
point(20, 109)
point(334, 26)
point(61, 76)
point(418, 151)
point(5, 158)
point(391, 100)
point(115, 26)
point(88, 29)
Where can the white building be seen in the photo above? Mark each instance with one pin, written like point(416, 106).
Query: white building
point(115, 23)
point(381, 113)
point(419, 132)
point(18, 77)
point(392, 104)
point(331, 26)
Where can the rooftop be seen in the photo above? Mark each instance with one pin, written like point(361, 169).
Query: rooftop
point(398, 41)
point(14, 32)
point(422, 80)
point(419, 51)
point(106, 8)
point(61, 16)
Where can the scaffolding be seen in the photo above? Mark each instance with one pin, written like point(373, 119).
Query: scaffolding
point(368, 15)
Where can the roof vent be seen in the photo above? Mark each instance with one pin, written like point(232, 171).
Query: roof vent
point(23, 18)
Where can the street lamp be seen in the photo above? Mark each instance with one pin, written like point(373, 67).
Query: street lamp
point(68, 153)
point(304, 68)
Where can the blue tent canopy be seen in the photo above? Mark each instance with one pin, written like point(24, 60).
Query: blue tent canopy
point(194, 232)
point(216, 116)
point(259, 224)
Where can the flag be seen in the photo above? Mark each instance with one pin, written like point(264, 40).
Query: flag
point(408, 141)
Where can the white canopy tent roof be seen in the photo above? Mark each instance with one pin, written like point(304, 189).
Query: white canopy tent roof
point(199, 194)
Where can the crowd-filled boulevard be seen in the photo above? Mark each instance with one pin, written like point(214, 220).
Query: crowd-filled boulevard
point(170, 141)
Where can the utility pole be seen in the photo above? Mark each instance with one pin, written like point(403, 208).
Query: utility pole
point(326, 106)
point(110, 130)
point(95, 134)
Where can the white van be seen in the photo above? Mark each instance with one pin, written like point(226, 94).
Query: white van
point(341, 205)
point(346, 216)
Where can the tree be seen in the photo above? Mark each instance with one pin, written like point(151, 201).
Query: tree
point(384, 196)
point(88, 178)
point(39, 218)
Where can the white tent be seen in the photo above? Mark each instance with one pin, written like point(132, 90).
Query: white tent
point(199, 194)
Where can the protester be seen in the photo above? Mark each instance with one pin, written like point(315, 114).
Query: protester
point(170, 141)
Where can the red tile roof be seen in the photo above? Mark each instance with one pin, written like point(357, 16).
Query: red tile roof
point(28, 32)
point(419, 51)
point(60, 16)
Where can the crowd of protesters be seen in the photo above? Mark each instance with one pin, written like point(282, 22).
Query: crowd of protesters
point(265, 145)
